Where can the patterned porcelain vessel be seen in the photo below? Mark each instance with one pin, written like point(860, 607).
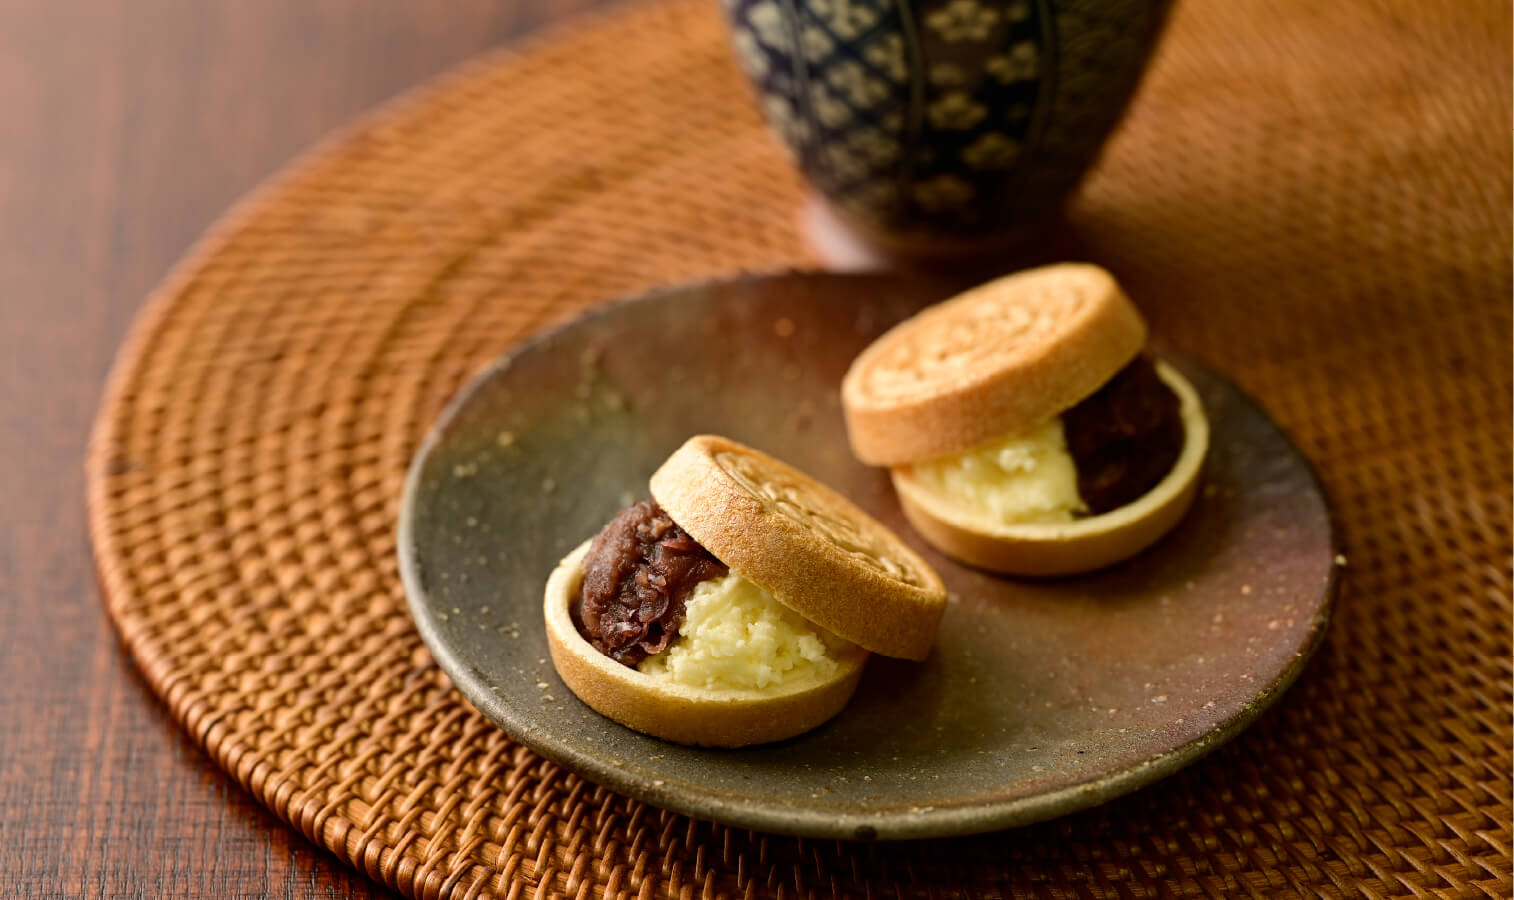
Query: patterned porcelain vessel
point(933, 125)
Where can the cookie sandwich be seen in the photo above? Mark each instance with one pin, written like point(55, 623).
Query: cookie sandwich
point(1027, 428)
point(736, 606)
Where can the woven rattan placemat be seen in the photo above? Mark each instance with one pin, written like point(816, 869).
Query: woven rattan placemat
point(1311, 197)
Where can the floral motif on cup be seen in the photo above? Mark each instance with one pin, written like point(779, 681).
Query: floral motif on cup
point(947, 74)
point(874, 145)
point(963, 20)
point(992, 151)
point(886, 54)
point(942, 193)
point(1021, 63)
point(767, 22)
point(956, 111)
point(828, 108)
point(751, 53)
point(849, 166)
point(851, 79)
point(871, 197)
point(781, 113)
point(847, 18)
point(817, 44)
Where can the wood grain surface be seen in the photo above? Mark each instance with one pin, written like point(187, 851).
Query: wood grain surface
point(126, 127)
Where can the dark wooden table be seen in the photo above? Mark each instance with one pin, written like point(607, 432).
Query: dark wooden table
point(126, 127)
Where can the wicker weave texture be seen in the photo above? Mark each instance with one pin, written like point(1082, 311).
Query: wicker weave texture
point(1312, 197)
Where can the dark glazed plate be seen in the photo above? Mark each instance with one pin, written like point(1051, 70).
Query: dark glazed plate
point(1041, 698)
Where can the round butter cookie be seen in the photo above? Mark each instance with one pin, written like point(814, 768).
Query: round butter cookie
point(813, 549)
point(992, 361)
point(678, 712)
point(808, 548)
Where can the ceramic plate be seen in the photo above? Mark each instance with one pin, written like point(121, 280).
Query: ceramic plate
point(1042, 697)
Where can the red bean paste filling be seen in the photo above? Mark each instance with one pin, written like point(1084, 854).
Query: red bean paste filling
point(638, 575)
point(1125, 437)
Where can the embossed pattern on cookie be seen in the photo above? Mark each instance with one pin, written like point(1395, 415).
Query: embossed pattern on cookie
point(985, 332)
point(1012, 352)
point(813, 549)
point(858, 537)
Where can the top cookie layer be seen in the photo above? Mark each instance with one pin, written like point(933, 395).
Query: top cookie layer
point(995, 360)
point(813, 549)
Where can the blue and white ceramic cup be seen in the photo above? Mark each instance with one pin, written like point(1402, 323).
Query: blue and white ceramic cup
point(930, 125)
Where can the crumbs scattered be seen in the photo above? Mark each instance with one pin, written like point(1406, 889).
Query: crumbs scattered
point(1340, 560)
point(505, 439)
point(465, 470)
point(1159, 698)
point(1245, 589)
point(784, 327)
point(548, 485)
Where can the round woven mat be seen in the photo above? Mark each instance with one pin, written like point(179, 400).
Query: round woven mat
point(1313, 198)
